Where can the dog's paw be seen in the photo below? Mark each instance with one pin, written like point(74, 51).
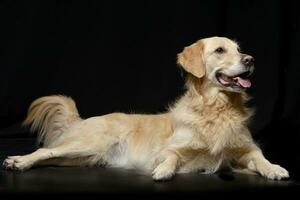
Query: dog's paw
point(163, 172)
point(19, 163)
point(274, 172)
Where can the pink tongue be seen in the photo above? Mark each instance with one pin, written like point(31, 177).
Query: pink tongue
point(243, 82)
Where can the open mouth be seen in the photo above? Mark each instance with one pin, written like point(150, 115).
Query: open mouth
point(240, 81)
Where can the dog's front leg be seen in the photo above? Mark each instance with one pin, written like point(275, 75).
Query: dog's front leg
point(166, 166)
point(255, 161)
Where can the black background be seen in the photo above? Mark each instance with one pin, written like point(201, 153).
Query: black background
point(120, 56)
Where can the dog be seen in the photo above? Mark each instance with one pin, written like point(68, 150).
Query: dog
point(204, 131)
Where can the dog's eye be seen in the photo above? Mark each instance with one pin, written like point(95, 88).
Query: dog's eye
point(220, 50)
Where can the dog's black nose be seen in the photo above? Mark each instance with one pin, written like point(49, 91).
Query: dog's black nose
point(248, 60)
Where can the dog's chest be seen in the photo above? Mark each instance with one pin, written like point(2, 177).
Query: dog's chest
point(217, 131)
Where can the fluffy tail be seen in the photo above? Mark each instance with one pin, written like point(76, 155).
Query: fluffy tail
point(51, 116)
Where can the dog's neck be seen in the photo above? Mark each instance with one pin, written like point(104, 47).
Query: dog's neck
point(204, 99)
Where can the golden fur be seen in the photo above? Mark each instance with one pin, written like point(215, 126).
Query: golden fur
point(204, 130)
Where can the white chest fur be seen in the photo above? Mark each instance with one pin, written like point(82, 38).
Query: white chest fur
point(212, 127)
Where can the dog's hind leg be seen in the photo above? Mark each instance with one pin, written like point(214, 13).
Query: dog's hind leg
point(66, 162)
point(72, 151)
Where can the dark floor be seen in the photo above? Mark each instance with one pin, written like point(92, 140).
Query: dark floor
point(64, 180)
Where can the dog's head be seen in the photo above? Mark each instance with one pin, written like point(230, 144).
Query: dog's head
point(220, 61)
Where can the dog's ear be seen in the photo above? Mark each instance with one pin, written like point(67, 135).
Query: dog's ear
point(191, 59)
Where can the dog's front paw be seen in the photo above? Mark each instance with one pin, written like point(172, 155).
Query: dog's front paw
point(273, 172)
point(163, 172)
point(19, 163)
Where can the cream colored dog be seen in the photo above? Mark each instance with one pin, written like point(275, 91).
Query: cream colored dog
point(204, 130)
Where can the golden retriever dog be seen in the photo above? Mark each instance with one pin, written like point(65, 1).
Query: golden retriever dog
point(204, 130)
